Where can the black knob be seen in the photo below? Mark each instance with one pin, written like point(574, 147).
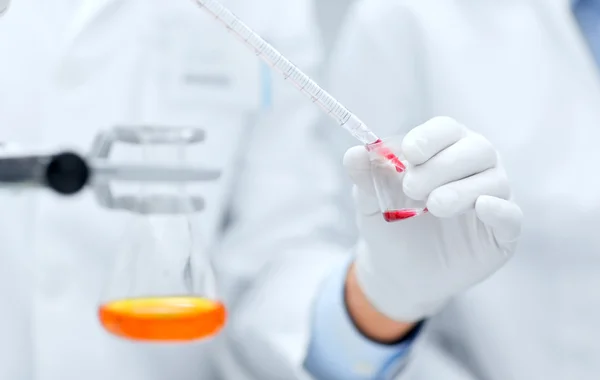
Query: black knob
point(67, 173)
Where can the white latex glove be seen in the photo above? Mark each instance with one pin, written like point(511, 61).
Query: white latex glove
point(3, 6)
point(411, 268)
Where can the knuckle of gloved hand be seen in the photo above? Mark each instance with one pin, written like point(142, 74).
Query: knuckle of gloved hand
point(413, 187)
point(446, 122)
point(428, 139)
point(412, 148)
point(445, 202)
point(443, 125)
point(480, 152)
point(356, 158)
point(502, 187)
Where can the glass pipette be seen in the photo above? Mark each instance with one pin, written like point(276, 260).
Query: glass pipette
point(290, 72)
point(327, 103)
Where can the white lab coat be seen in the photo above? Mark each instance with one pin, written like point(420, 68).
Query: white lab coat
point(130, 62)
point(519, 72)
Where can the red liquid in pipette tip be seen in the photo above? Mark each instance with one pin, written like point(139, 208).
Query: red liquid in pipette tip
point(389, 155)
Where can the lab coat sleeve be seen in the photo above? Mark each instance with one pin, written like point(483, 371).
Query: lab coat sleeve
point(338, 350)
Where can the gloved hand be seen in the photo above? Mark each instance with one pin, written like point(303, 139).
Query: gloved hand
point(409, 269)
point(3, 6)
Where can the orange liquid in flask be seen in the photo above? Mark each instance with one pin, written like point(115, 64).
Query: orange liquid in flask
point(163, 318)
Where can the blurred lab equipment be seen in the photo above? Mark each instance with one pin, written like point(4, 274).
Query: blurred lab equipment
point(63, 79)
point(67, 173)
point(163, 286)
point(319, 96)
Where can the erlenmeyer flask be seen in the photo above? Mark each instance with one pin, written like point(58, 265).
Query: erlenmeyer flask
point(163, 287)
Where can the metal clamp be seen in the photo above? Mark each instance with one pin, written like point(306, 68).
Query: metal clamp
point(104, 172)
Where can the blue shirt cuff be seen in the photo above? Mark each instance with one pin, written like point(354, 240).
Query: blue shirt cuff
point(338, 350)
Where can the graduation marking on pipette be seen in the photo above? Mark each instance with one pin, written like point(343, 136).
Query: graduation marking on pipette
point(290, 72)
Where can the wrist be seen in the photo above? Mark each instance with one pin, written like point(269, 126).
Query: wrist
point(367, 319)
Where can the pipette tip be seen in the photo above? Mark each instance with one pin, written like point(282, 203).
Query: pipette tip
point(388, 154)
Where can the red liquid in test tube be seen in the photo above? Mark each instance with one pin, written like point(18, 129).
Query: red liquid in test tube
point(395, 215)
